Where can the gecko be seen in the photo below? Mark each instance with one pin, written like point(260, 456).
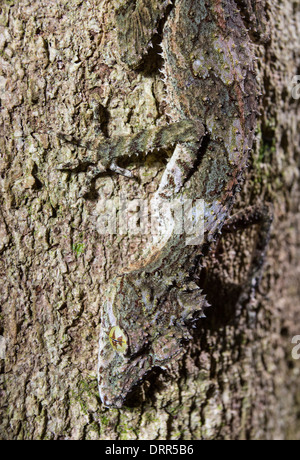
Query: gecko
point(212, 99)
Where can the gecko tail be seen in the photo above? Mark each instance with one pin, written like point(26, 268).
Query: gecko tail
point(123, 172)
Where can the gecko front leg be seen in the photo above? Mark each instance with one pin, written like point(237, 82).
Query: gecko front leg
point(187, 132)
point(260, 215)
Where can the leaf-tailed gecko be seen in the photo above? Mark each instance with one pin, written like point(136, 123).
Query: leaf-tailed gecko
point(212, 98)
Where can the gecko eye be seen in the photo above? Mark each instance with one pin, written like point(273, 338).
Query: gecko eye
point(118, 340)
point(197, 65)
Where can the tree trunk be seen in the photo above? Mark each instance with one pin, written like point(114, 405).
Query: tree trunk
point(238, 378)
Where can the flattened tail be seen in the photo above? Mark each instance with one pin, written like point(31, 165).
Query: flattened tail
point(147, 140)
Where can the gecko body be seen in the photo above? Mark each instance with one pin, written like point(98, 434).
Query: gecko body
point(209, 79)
point(211, 93)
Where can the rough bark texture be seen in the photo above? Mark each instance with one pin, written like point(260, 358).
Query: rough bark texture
point(238, 379)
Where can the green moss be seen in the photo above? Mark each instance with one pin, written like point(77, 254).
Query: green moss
point(173, 411)
point(267, 150)
point(104, 421)
point(89, 386)
point(94, 427)
point(126, 432)
point(150, 417)
point(86, 390)
point(263, 159)
point(78, 248)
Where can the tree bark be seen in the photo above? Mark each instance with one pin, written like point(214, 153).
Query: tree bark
point(238, 379)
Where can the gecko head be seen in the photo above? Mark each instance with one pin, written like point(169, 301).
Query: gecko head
point(143, 327)
point(120, 372)
point(128, 356)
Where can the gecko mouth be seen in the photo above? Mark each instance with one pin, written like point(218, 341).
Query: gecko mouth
point(132, 396)
point(119, 381)
point(121, 384)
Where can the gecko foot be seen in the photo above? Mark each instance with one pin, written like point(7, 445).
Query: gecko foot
point(262, 216)
point(123, 172)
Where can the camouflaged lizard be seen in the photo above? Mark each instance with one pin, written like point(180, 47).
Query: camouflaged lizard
point(211, 93)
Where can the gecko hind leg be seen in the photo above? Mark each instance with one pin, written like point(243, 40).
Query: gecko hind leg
point(261, 215)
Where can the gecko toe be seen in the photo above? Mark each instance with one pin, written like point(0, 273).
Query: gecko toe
point(123, 172)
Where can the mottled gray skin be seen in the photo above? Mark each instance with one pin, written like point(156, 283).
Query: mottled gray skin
point(209, 77)
point(210, 80)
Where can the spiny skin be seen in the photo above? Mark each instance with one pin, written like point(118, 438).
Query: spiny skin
point(209, 78)
point(143, 310)
point(255, 14)
point(137, 23)
point(184, 131)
